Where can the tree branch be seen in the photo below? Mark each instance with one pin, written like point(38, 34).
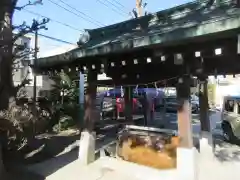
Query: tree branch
point(24, 29)
point(23, 83)
point(29, 4)
point(19, 26)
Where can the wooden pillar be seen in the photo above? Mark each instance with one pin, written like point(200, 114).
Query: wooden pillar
point(206, 140)
point(184, 113)
point(204, 107)
point(128, 99)
point(149, 112)
point(87, 141)
point(90, 101)
point(186, 152)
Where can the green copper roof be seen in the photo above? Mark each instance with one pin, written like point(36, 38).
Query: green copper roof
point(176, 24)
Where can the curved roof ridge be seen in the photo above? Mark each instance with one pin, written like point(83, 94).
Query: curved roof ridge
point(131, 24)
point(159, 17)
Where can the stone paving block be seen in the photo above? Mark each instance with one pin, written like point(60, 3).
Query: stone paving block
point(116, 176)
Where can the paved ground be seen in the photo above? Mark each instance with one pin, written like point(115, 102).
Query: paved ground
point(172, 117)
point(225, 153)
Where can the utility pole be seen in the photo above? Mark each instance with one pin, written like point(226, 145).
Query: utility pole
point(34, 74)
point(41, 26)
point(139, 7)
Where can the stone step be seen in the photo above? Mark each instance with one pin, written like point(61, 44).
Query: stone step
point(94, 171)
point(107, 168)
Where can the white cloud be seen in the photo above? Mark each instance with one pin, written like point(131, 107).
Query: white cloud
point(56, 50)
point(50, 48)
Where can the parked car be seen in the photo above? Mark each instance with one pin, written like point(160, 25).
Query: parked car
point(114, 107)
point(172, 104)
point(113, 99)
point(195, 103)
point(230, 114)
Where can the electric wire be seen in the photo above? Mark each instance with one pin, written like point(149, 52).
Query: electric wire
point(78, 15)
point(116, 6)
point(56, 39)
point(84, 14)
point(120, 4)
point(114, 10)
point(54, 20)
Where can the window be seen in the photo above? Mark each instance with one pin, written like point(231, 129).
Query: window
point(25, 44)
point(229, 106)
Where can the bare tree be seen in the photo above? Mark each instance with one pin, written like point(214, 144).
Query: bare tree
point(6, 14)
point(20, 52)
point(9, 52)
point(6, 39)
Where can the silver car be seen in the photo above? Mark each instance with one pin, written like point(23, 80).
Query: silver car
point(231, 118)
point(172, 104)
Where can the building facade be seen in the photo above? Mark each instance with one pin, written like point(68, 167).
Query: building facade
point(22, 69)
point(22, 64)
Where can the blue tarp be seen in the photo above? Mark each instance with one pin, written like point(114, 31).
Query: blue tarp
point(118, 92)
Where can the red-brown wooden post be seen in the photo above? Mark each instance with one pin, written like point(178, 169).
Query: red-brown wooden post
point(184, 113)
point(87, 141)
point(90, 101)
point(186, 151)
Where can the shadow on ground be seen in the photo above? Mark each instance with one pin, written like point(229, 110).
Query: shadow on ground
point(227, 152)
point(50, 166)
point(42, 148)
point(22, 175)
point(39, 149)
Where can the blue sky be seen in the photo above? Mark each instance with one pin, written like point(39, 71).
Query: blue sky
point(93, 8)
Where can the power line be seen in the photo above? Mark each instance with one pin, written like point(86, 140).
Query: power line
point(118, 12)
point(81, 13)
point(54, 20)
point(73, 12)
point(120, 4)
point(116, 6)
point(56, 39)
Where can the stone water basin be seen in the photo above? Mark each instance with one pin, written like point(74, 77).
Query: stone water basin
point(150, 147)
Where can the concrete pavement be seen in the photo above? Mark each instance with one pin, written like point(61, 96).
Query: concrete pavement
point(52, 165)
point(214, 169)
point(110, 168)
point(224, 165)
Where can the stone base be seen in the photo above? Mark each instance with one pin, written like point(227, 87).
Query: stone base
point(87, 148)
point(186, 163)
point(206, 145)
